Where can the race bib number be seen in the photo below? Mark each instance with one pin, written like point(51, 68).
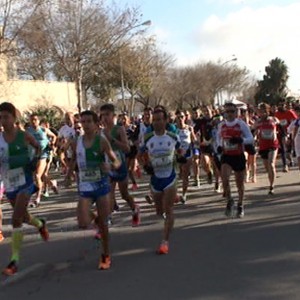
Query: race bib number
point(267, 134)
point(14, 179)
point(283, 122)
point(90, 175)
point(161, 162)
point(229, 146)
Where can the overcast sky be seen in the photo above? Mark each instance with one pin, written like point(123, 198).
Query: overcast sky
point(255, 31)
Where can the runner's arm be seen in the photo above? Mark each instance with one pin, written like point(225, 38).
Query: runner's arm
point(123, 142)
point(32, 142)
point(106, 148)
point(246, 134)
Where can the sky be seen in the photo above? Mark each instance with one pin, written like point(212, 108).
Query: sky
point(253, 31)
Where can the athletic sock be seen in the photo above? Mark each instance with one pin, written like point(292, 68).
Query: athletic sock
point(36, 222)
point(16, 242)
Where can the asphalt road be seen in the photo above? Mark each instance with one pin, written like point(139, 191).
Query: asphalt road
point(211, 257)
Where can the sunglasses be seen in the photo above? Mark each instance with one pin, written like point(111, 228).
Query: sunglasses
point(181, 117)
point(230, 111)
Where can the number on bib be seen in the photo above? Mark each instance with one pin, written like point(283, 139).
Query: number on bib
point(90, 175)
point(14, 179)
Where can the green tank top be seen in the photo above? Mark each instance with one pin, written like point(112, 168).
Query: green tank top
point(115, 135)
point(18, 152)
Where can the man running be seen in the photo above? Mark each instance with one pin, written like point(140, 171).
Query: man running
point(266, 128)
point(17, 175)
point(232, 135)
point(89, 156)
point(161, 146)
point(117, 137)
point(46, 140)
point(187, 137)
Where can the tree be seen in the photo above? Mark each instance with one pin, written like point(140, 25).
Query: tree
point(273, 87)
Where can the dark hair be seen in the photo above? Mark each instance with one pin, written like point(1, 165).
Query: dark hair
point(108, 107)
point(265, 106)
point(148, 109)
point(158, 111)
point(159, 107)
point(230, 104)
point(90, 113)
point(8, 107)
point(179, 111)
point(34, 115)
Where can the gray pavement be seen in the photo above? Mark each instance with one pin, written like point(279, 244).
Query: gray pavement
point(211, 257)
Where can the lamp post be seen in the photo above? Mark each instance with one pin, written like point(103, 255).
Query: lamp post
point(146, 23)
point(220, 93)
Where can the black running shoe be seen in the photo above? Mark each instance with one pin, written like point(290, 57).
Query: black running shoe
point(240, 211)
point(229, 208)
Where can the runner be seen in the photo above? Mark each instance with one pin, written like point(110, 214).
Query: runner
point(266, 129)
point(285, 116)
point(88, 154)
point(161, 146)
point(232, 135)
point(250, 151)
point(196, 146)
point(295, 130)
point(17, 175)
point(1, 214)
point(186, 137)
point(117, 137)
point(46, 140)
point(65, 134)
point(131, 160)
point(204, 129)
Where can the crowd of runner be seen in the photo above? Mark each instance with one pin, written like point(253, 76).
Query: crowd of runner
point(97, 151)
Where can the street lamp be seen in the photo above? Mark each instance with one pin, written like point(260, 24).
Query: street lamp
point(146, 23)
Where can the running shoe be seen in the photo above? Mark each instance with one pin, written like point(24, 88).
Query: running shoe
point(105, 262)
point(136, 216)
point(116, 207)
point(44, 231)
point(285, 169)
point(109, 221)
point(163, 248)
point(11, 269)
point(34, 203)
point(1, 237)
point(55, 187)
point(149, 199)
point(217, 188)
point(196, 183)
point(229, 208)
point(182, 199)
point(177, 199)
point(240, 211)
point(46, 194)
point(271, 191)
point(134, 187)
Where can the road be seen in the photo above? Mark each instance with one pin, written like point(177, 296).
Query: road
point(211, 257)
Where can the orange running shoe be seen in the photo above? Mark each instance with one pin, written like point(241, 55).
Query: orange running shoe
point(163, 248)
point(105, 262)
point(1, 237)
point(44, 231)
point(11, 269)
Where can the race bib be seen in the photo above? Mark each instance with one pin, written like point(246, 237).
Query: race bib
point(267, 134)
point(14, 179)
point(161, 162)
point(283, 122)
point(90, 175)
point(229, 146)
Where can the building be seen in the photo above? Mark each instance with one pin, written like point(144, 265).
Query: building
point(25, 94)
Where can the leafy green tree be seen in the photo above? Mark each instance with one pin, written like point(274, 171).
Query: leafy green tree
point(273, 87)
